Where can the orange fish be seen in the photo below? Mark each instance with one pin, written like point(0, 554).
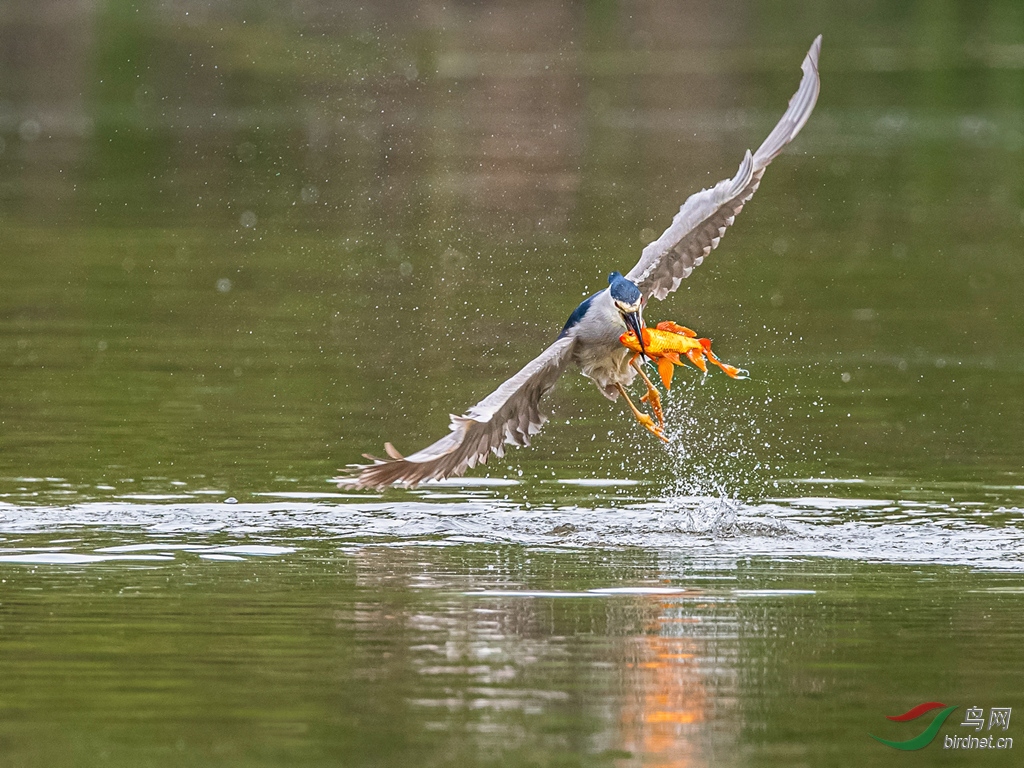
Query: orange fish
point(665, 343)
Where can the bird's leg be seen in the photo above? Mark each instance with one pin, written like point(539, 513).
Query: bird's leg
point(652, 397)
point(643, 418)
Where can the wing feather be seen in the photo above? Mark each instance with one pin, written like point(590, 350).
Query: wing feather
point(509, 415)
point(702, 220)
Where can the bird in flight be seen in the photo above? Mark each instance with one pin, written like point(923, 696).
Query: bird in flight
point(590, 338)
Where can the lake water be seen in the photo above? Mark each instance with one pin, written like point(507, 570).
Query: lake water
point(240, 245)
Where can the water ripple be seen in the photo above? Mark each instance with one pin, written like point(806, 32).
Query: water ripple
point(862, 529)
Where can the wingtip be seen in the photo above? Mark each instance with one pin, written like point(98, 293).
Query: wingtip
point(811, 59)
point(378, 477)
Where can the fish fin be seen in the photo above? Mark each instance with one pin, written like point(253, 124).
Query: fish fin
point(665, 369)
point(732, 371)
point(696, 357)
point(682, 330)
point(729, 370)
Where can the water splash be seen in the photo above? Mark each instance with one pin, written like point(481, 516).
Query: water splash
point(724, 444)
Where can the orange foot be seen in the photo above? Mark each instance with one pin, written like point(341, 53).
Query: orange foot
point(650, 426)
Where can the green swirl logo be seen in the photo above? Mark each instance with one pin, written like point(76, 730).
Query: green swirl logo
point(924, 738)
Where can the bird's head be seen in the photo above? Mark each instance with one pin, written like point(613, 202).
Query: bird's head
point(630, 303)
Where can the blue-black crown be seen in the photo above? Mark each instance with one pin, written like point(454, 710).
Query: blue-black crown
point(622, 289)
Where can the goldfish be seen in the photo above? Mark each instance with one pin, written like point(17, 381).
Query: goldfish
point(667, 344)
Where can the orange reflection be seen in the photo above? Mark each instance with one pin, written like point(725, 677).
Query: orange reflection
point(665, 699)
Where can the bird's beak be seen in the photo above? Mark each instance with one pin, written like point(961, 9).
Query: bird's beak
point(636, 325)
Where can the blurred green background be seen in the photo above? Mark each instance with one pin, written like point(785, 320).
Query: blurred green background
point(241, 243)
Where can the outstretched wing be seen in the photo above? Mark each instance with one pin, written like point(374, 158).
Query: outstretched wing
point(511, 414)
point(703, 218)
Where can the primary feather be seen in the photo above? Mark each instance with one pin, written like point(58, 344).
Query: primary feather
point(509, 415)
point(703, 218)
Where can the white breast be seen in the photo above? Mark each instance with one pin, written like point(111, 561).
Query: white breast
point(598, 351)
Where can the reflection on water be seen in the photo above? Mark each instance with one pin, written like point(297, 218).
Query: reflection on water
point(665, 701)
point(440, 652)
